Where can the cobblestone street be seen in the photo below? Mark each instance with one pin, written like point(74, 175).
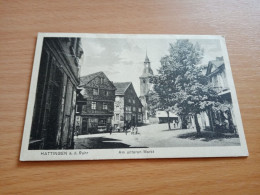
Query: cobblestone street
point(149, 136)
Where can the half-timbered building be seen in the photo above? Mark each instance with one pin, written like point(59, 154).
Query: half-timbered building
point(95, 103)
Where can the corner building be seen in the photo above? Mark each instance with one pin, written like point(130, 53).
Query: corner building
point(54, 109)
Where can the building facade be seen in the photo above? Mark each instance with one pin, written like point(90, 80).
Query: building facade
point(224, 119)
point(145, 87)
point(127, 108)
point(54, 110)
point(95, 104)
point(163, 117)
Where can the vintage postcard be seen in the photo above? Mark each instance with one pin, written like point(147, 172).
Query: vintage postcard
point(114, 96)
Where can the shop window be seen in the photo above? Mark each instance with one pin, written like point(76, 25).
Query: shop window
point(102, 122)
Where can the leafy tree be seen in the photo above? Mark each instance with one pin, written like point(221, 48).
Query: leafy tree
point(181, 84)
point(153, 102)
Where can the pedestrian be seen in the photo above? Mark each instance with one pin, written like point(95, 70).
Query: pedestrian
point(132, 130)
point(125, 129)
point(136, 130)
point(118, 128)
point(110, 129)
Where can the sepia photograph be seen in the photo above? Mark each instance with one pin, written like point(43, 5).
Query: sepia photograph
point(101, 96)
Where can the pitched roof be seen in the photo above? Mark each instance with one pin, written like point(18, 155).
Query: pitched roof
point(214, 65)
point(217, 63)
point(121, 87)
point(85, 79)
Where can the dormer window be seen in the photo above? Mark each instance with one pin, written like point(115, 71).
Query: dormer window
point(102, 80)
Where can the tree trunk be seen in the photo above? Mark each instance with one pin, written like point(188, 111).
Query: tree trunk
point(211, 120)
point(183, 122)
point(230, 123)
point(168, 116)
point(197, 125)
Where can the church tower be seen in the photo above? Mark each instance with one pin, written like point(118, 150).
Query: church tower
point(145, 87)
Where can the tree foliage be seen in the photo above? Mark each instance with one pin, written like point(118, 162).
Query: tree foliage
point(181, 84)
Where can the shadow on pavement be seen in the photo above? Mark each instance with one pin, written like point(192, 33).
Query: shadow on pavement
point(173, 129)
point(207, 136)
point(99, 143)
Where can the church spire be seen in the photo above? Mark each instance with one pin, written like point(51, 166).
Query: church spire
point(146, 58)
point(147, 71)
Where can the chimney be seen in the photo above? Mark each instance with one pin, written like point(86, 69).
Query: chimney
point(219, 58)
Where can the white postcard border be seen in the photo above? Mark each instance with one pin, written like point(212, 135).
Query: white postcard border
point(129, 153)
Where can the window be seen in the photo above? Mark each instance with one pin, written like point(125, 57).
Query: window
point(134, 109)
point(102, 122)
point(133, 101)
point(128, 117)
point(128, 108)
point(102, 80)
point(140, 109)
point(84, 108)
point(93, 105)
point(107, 93)
point(117, 117)
point(95, 92)
point(139, 117)
point(104, 106)
point(129, 100)
point(78, 108)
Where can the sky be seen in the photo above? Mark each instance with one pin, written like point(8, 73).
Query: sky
point(122, 60)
